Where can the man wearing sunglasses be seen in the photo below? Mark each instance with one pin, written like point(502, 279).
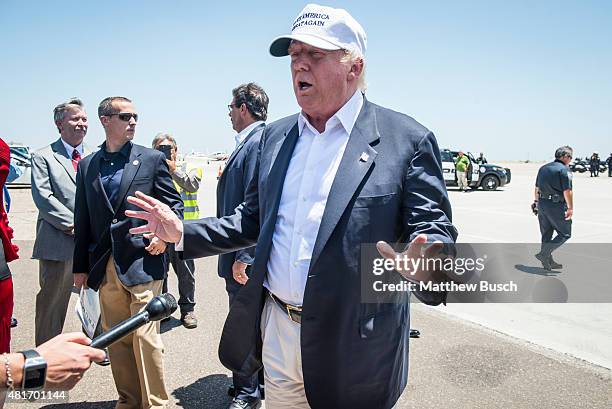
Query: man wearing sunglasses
point(128, 271)
point(247, 111)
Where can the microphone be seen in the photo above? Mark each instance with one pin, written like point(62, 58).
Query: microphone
point(158, 308)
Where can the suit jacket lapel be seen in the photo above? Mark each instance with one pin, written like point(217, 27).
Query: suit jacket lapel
point(60, 154)
point(276, 178)
point(93, 173)
point(241, 144)
point(357, 160)
point(129, 172)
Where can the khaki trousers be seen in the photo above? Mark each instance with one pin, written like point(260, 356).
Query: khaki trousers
point(56, 282)
point(462, 180)
point(136, 359)
point(282, 359)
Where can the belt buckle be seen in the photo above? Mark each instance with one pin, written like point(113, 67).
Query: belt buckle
point(291, 310)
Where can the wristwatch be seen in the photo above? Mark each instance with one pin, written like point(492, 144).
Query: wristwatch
point(34, 370)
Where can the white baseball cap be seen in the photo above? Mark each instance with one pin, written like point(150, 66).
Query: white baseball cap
point(323, 27)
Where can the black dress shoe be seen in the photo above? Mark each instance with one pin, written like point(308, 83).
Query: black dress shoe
point(544, 260)
point(231, 391)
point(554, 265)
point(414, 333)
point(13, 322)
point(241, 404)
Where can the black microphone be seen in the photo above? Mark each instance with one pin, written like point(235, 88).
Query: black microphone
point(158, 308)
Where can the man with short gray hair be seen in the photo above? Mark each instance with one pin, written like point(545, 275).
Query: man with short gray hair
point(555, 203)
point(53, 190)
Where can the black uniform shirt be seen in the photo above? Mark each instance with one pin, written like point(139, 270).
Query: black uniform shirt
point(554, 178)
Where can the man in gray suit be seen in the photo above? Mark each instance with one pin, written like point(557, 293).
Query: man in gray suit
point(247, 111)
point(53, 191)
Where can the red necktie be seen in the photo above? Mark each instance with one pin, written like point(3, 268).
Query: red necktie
point(76, 157)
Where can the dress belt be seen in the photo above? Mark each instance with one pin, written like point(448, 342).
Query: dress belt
point(293, 312)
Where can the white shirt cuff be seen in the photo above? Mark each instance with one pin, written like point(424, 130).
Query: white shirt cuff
point(179, 246)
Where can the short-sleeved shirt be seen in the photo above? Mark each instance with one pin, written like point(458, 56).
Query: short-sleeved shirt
point(462, 163)
point(554, 178)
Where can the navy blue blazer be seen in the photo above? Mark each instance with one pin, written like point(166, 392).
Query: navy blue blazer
point(100, 229)
point(231, 190)
point(354, 355)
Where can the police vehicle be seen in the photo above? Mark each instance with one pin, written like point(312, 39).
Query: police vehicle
point(21, 159)
point(487, 176)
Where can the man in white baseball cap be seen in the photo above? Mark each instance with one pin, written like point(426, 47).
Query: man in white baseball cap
point(341, 173)
point(325, 28)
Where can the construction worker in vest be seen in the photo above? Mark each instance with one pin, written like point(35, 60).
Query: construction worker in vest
point(187, 183)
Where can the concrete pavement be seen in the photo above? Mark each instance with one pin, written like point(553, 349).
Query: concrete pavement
point(456, 363)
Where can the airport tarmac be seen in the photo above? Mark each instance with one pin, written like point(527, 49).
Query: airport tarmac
point(469, 356)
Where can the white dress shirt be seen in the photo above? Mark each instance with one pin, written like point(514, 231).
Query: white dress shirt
point(243, 134)
point(309, 178)
point(70, 149)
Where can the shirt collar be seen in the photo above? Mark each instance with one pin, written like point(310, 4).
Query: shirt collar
point(246, 131)
point(70, 148)
point(124, 151)
point(345, 116)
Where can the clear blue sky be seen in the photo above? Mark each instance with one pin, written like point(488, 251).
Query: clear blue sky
point(513, 79)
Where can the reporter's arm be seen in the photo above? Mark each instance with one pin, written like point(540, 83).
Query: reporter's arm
point(68, 356)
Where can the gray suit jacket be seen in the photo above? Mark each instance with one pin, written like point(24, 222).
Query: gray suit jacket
point(53, 191)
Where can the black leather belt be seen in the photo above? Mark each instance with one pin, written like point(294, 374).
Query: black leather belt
point(294, 313)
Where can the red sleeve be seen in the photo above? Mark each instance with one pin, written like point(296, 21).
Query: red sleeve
point(6, 233)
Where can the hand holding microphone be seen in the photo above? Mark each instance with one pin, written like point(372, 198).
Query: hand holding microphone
point(158, 308)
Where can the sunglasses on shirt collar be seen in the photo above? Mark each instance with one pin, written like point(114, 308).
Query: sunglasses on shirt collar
point(125, 116)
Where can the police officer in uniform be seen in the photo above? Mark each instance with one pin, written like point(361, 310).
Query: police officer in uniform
point(554, 200)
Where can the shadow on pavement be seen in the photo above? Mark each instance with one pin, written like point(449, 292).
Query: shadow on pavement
point(536, 270)
point(169, 325)
point(207, 392)
point(83, 405)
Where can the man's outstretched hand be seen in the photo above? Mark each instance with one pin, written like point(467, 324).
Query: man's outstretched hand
point(418, 249)
point(161, 220)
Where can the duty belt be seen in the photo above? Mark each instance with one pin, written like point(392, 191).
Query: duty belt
point(294, 313)
point(555, 198)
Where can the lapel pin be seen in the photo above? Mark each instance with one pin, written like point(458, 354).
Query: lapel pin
point(135, 163)
point(364, 157)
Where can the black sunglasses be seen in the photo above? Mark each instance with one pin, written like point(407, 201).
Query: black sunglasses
point(230, 106)
point(126, 116)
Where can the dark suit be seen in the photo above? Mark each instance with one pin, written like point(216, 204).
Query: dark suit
point(231, 190)
point(101, 230)
point(124, 273)
point(354, 355)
